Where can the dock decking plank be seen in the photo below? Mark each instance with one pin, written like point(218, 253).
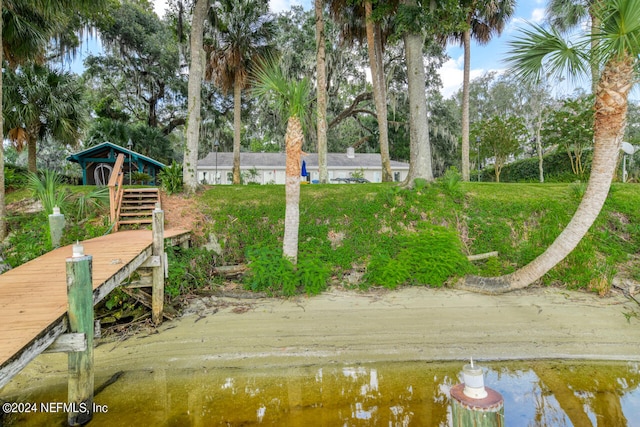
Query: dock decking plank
point(33, 296)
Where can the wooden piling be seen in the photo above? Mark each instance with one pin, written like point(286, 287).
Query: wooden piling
point(81, 375)
point(158, 268)
point(468, 412)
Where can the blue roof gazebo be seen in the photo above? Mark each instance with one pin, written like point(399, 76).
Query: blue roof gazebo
point(97, 163)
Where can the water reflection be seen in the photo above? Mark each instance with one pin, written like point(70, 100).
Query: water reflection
point(407, 394)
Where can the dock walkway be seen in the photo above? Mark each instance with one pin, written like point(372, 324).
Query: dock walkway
point(33, 296)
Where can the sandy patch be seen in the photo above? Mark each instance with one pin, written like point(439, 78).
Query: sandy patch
point(350, 327)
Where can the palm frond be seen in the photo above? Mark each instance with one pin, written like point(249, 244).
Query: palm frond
point(271, 83)
point(538, 52)
point(619, 34)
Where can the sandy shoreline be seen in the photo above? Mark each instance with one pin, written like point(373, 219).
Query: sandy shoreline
point(350, 327)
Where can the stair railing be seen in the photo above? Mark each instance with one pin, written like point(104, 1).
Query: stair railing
point(116, 190)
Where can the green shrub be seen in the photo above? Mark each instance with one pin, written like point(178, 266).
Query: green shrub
point(14, 177)
point(313, 275)
point(556, 165)
point(428, 257)
point(171, 178)
point(270, 272)
point(46, 186)
point(139, 177)
point(450, 183)
point(190, 269)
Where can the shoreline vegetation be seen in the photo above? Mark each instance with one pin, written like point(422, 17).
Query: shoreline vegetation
point(368, 236)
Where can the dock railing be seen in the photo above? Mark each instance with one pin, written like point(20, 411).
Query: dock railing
point(116, 190)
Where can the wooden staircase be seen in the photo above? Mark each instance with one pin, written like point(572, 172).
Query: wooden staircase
point(130, 206)
point(137, 205)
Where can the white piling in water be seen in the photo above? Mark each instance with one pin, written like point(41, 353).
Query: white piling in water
point(473, 404)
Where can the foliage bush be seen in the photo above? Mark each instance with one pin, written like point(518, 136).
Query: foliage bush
point(14, 177)
point(557, 168)
point(171, 178)
point(190, 269)
point(46, 186)
point(450, 183)
point(429, 257)
point(270, 272)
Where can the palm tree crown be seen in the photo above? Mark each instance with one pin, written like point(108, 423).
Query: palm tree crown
point(242, 35)
point(242, 31)
point(39, 102)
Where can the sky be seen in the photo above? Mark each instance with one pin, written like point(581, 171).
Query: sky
point(483, 58)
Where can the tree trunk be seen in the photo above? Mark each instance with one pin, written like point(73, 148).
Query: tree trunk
point(539, 148)
point(593, 61)
point(196, 69)
point(3, 209)
point(293, 142)
point(420, 150)
point(466, 41)
point(237, 123)
point(609, 125)
point(374, 47)
point(32, 152)
point(321, 89)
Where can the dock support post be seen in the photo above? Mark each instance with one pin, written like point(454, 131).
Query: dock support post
point(56, 227)
point(158, 271)
point(80, 295)
point(469, 412)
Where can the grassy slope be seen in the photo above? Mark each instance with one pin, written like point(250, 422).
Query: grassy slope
point(346, 226)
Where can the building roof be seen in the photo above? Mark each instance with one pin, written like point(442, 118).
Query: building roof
point(97, 152)
point(277, 161)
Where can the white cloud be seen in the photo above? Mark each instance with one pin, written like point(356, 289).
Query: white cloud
point(277, 6)
point(160, 7)
point(451, 74)
point(537, 15)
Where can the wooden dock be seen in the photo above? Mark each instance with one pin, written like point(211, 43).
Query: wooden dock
point(33, 296)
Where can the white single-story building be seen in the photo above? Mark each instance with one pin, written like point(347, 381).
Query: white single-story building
point(269, 168)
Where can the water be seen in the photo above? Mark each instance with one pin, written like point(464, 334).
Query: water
point(545, 393)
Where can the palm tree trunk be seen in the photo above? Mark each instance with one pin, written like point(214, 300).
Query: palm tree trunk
point(293, 142)
point(321, 89)
point(196, 69)
point(610, 119)
point(420, 149)
point(3, 209)
point(466, 41)
point(593, 61)
point(377, 81)
point(31, 153)
point(237, 123)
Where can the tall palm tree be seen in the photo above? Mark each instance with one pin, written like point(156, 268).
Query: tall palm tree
point(194, 102)
point(539, 51)
point(484, 19)
point(26, 28)
point(291, 97)
point(40, 102)
point(242, 33)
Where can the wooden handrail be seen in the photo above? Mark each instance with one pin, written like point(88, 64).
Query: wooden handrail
point(116, 190)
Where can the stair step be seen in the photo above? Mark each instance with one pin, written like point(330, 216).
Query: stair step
point(133, 221)
point(136, 214)
point(140, 191)
point(137, 205)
